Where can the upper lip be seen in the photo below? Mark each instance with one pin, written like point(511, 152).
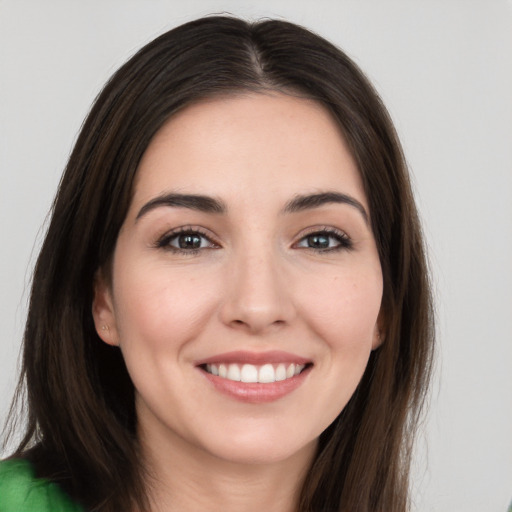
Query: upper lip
point(255, 358)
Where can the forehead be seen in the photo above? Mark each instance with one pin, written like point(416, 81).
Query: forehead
point(249, 145)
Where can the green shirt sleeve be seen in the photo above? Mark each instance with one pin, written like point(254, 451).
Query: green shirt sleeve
point(20, 491)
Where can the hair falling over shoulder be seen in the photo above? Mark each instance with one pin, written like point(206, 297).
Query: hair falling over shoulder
point(81, 424)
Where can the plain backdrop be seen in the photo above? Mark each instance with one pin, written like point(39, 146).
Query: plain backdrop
point(443, 68)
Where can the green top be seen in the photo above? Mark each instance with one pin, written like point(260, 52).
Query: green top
point(20, 491)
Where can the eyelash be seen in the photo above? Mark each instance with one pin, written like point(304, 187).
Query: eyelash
point(165, 241)
point(343, 240)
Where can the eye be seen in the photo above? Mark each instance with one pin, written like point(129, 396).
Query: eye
point(186, 240)
point(325, 240)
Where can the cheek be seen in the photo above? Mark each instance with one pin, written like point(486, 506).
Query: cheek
point(343, 309)
point(159, 307)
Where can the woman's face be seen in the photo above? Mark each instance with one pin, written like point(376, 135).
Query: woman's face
point(246, 284)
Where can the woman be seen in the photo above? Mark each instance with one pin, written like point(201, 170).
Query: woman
point(231, 307)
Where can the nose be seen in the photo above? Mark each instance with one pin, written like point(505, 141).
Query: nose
point(258, 298)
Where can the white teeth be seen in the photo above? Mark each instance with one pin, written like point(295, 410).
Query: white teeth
point(250, 373)
point(280, 372)
point(267, 374)
point(212, 368)
point(299, 368)
point(233, 372)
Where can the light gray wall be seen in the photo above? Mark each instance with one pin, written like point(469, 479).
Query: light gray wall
point(443, 67)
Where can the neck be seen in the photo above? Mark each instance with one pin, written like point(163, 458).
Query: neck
point(184, 478)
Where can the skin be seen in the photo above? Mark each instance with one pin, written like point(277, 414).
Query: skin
point(256, 284)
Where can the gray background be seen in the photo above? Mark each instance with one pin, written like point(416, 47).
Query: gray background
point(444, 69)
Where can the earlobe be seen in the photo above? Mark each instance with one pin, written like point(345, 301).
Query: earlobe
point(378, 339)
point(379, 333)
point(103, 310)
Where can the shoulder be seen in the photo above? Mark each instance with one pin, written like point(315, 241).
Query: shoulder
point(21, 491)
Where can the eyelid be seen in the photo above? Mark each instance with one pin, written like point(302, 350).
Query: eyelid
point(163, 240)
point(345, 242)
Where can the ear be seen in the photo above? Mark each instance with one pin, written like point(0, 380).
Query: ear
point(103, 311)
point(379, 333)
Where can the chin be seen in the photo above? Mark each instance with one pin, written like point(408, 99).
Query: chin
point(262, 447)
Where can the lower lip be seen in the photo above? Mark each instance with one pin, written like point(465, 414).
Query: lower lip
point(255, 392)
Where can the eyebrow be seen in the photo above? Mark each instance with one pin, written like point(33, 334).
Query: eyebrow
point(311, 201)
point(192, 201)
point(209, 204)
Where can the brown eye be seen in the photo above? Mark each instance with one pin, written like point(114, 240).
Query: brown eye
point(186, 241)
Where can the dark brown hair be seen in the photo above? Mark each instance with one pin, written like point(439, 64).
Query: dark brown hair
point(81, 429)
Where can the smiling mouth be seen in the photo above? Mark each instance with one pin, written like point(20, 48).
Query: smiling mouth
point(250, 373)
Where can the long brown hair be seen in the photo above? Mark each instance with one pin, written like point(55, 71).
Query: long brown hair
point(81, 425)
